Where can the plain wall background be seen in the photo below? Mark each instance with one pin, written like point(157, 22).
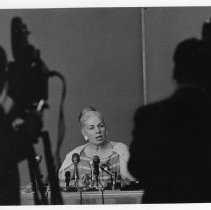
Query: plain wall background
point(99, 53)
point(165, 28)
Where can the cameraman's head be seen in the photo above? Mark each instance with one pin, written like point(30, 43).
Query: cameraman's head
point(5, 101)
point(193, 63)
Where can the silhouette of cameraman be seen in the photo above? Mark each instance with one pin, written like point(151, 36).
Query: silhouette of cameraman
point(15, 135)
point(171, 147)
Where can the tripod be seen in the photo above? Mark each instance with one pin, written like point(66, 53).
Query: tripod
point(38, 187)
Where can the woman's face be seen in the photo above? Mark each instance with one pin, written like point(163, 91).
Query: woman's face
point(94, 128)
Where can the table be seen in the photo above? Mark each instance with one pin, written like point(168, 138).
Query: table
point(110, 197)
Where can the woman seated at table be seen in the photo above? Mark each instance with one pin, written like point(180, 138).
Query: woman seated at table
point(113, 155)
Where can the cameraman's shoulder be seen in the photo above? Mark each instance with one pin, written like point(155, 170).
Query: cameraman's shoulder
point(149, 111)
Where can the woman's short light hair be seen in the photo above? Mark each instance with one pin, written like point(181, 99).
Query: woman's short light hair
point(82, 116)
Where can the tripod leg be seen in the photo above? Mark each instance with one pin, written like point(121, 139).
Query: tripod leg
point(34, 186)
point(35, 176)
point(56, 198)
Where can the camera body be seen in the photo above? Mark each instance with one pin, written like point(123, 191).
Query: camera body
point(27, 74)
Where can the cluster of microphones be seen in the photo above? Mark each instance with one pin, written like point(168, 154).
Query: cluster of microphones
point(95, 180)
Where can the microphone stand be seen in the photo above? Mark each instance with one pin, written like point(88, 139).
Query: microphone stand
point(112, 175)
point(97, 180)
point(76, 160)
point(76, 184)
point(114, 181)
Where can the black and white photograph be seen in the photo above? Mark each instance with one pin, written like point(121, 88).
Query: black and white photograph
point(105, 105)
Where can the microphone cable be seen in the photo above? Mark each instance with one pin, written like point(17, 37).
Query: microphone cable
point(81, 194)
point(102, 191)
point(61, 121)
point(81, 197)
point(102, 195)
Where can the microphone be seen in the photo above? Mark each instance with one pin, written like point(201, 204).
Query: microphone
point(75, 160)
point(67, 178)
point(96, 171)
point(96, 162)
